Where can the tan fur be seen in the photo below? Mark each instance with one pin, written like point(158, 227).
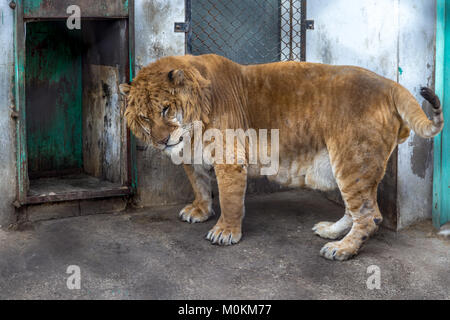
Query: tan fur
point(201, 209)
point(338, 127)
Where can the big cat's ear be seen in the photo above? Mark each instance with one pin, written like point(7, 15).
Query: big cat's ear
point(177, 77)
point(124, 89)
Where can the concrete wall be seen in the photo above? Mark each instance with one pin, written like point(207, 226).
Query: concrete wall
point(7, 125)
point(394, 38)
point(416, 54)
point(159, 181)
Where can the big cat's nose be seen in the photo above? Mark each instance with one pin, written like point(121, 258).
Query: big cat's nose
point(164, 141)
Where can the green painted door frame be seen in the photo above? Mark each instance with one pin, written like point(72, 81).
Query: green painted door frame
point(19, 104)
point(94, 7)
point(441, 183)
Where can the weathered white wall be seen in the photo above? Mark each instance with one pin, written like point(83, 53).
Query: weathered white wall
point(154, 30)
point(394, 38)
point(7, 156)
point(159, 181)
point(417, 54)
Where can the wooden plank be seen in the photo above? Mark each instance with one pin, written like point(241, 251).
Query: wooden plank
point(102, 123)
point(73, 187)
point(89, 8)
point(79, 195)
point(105, 65)
point(66, 209)
point(68, 183)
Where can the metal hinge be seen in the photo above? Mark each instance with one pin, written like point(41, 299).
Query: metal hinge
point(309, 24)
point(181, 27)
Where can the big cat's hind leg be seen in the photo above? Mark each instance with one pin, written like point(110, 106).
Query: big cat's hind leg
point(358, 171)
point(366, 219)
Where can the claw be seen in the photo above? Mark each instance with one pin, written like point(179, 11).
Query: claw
point(337, 251)
point(193, 214)
point(223, 236)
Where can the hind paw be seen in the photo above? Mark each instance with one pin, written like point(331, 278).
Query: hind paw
point(325, 230)
point(333, 231)
point(195, 214)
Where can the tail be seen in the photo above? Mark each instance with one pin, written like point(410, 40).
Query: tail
point(411, 112)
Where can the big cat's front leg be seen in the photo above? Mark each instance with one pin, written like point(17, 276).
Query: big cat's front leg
point(201, 209)
point(232, 183)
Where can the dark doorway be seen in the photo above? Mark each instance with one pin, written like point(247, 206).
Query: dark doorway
point(77, 145)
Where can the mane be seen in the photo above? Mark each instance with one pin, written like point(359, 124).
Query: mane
point(212, 92)
point(228, 93)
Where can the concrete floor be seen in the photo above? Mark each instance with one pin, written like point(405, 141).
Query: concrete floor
point(151, 255)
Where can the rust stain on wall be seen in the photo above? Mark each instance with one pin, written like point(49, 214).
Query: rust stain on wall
point(421, 156)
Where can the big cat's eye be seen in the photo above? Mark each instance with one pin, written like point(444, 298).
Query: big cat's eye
point(165, 111)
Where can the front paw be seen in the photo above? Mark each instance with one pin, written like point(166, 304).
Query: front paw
point(338, 250)
point(194, 214)
point(224, 236)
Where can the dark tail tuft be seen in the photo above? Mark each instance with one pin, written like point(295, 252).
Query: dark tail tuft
point(432, 98)
point(411, 112)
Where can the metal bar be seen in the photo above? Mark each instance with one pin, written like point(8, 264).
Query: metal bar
point(280, 26)
point(303, 31)
point(188, 19)
point(291, 30)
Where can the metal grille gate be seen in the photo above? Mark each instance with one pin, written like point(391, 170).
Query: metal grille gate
point(248, 31)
